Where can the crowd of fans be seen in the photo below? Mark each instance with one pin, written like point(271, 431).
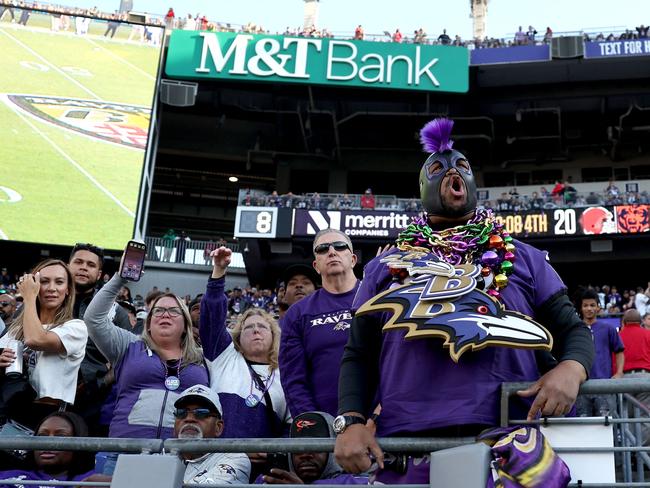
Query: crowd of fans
point(199, 21)
point(561, 195)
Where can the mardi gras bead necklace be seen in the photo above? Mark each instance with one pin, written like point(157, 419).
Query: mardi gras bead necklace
point(481, 241)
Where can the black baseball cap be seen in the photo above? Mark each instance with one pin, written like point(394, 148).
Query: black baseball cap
point(301, 269)
point(309, 424)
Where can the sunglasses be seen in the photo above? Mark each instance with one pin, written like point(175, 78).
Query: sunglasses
point(199, 413)
point(325, 247)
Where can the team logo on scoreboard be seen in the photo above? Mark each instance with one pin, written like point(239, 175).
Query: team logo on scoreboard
point(633, 219)
point(597, 220)
point(127, 125)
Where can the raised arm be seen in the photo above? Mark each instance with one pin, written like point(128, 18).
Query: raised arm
point(112, 341)
point(215, 337)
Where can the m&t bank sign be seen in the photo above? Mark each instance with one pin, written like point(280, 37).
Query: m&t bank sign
point(246, 57)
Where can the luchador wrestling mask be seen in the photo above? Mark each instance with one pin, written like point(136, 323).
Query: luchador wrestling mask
point(447, 185)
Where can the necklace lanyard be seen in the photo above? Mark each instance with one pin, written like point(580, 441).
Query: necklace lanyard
point(252, 400)
point(172, 382)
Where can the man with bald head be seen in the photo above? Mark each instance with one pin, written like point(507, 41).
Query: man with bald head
point(637, 356)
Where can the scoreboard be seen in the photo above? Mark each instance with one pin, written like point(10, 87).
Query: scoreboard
point(285, 223)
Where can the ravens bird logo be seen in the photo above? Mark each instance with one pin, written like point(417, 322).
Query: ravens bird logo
point(451, 308)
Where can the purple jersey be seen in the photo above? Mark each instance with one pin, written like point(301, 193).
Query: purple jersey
point(606, 342)
point(314, 332)
point(422, 388)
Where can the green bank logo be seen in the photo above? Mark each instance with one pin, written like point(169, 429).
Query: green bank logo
point(118, 123)
point(231, 56)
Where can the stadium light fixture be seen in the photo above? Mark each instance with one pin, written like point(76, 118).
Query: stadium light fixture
point(233, 179)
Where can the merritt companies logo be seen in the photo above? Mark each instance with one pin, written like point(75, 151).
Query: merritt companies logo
point(232, 56)
point(354, 224)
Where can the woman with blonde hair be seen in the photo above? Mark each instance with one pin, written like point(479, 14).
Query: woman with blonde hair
point(244, 367)
point(150, 370)
point(53, 339)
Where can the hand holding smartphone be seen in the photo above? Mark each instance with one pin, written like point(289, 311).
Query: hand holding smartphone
point(133, 261)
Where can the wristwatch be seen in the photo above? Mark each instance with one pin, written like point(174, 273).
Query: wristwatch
point(342, 422)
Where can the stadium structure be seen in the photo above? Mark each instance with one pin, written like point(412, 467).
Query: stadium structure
point(336, 116)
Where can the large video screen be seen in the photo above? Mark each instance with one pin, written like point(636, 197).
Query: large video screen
point(75, 109)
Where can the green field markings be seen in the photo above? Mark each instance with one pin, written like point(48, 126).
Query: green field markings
point(60, 204)
point(88, 65)
point(116, 168)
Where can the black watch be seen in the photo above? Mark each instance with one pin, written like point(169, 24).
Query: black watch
point(342, 422)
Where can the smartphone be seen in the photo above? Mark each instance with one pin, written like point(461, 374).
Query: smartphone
point(278, 460)
point(133, 262)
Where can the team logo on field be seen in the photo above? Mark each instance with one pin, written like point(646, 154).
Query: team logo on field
point(118, 123)
point(442, 301)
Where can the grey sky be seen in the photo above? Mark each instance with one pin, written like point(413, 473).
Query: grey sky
point(376, 16)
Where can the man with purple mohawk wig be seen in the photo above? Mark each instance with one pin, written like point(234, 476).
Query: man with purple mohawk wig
point(442, 320)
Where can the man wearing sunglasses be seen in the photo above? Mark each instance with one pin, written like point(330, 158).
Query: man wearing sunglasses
point(198, 416)
point(7, 307)
point(315, 329)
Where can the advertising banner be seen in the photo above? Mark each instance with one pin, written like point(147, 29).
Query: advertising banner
point(623, 219)
point(247, 57)
point(516, 54)
point(612, 49)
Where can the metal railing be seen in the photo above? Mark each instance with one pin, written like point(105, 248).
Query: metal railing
point(184, 251)
point(629, 428)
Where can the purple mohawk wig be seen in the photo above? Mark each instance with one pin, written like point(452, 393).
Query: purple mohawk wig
point(435, 135)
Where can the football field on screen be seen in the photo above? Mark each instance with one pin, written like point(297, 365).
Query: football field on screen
point(74, 118)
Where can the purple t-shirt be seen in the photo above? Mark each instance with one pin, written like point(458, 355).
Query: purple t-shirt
point(314, 333)
point(606, 342)
point(37, 475)
point(421, 388)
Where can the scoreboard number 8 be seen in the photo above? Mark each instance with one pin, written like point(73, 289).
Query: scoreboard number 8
point(264, 221)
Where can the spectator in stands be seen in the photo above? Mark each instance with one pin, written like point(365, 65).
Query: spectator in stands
point(7, 308)
point(86, 264)
point(125, 294)
point(530, 35)
point(169, 243)
point(642, 31)
point(148, 369)
point(646, 321)
point(637, 357)
point(397, 36)
point(628, 299)
point(312, 467)
point(444, 38)
point(182, 242)
point(209, 247)
point(548, 35)
point(315, 330)
point(137, 324)
point(614, 301)
point(238, 303)
point(420, 37)
point(358, 33)
point(316, 201)
point(199, 416)
point(345, 203)
point(422, 387)
point(244, 370)
point(5, 278)
point(56, 340)
point(570, 194)
point(641, 300)
point(536, 203)
point(606, 342)
point(56, 465)
point(611, 190)
point(520, 37)
point(195, 313)
point(300, 281)
point(504, 203)
point(368, 200)
point(557, 193)
point(190, 23)
point(169, 18)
